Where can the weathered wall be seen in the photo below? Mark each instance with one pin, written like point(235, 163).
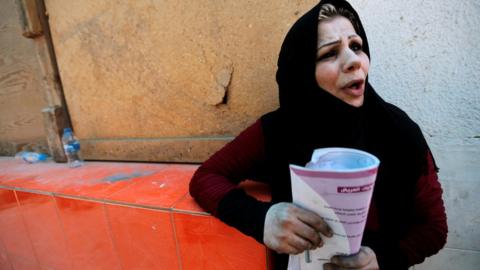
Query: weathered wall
point(21, 85)
point(151, 78)
point(156, 69)
point(425, 59)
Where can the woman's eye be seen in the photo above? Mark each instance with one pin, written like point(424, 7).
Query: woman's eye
point(356, 46)
point(327, 55)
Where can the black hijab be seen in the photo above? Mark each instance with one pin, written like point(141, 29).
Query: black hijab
point(309, 117)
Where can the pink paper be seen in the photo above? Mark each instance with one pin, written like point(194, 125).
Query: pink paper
point(338, 186)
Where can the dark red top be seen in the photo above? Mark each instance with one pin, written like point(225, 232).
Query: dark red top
point(241, 159)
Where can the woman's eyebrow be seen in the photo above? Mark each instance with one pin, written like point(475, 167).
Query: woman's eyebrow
point(335, 42)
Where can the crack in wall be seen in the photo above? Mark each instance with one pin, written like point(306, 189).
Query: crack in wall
point(224, 79)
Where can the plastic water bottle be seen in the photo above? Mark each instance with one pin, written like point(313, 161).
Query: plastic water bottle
point(31, 157)
point(71, 146)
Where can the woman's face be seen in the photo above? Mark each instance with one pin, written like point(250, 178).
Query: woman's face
point(342, 66)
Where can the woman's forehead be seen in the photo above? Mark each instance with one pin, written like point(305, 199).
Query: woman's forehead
point(334, 28)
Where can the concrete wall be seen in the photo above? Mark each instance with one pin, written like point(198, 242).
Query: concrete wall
point(150, 69)
point(425, 59)
point(138, 73)
point(21, 84)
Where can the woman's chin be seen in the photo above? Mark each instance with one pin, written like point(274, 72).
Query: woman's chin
point(356, 101)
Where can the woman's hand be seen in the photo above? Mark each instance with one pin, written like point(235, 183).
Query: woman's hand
point(291, 229)
point(365, 259)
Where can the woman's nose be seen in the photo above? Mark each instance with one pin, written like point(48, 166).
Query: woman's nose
point(352, 61)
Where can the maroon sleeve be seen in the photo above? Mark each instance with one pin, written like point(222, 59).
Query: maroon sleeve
point(429, 234)
point(236, 161)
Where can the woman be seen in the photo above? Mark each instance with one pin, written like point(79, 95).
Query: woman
point(326, 101)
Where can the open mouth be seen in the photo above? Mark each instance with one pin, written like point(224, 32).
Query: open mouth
point(354, 85)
